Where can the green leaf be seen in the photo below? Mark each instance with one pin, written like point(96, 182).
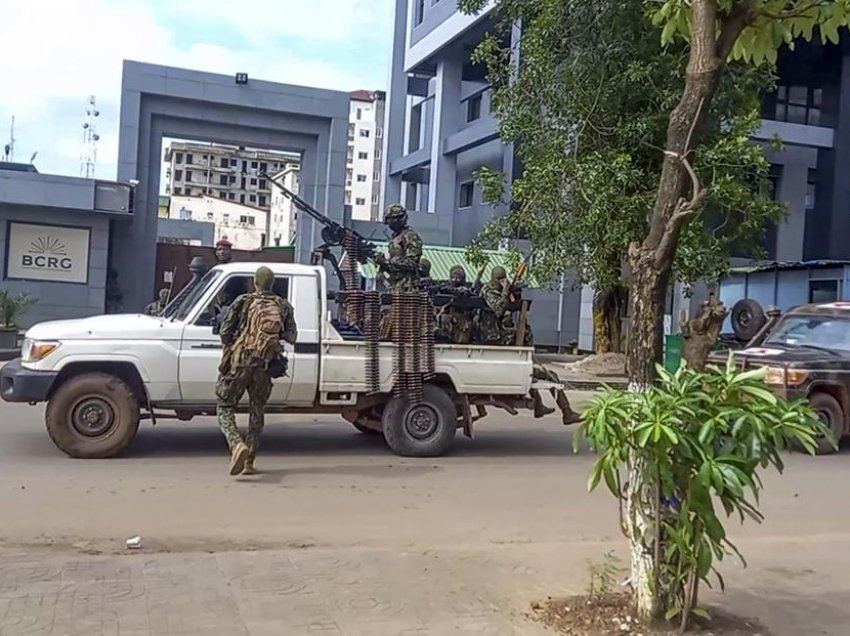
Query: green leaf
point(762, 394)
point(672, 613)
point(698, 611)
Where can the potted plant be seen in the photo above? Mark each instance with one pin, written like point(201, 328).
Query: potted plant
point(12, 307)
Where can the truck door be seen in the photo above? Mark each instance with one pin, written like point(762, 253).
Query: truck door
point(200, 348)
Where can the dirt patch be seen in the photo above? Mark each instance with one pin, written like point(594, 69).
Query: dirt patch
point(603, 365)
point(613, 616)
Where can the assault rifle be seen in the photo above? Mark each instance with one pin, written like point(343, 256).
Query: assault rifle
point(334, 234)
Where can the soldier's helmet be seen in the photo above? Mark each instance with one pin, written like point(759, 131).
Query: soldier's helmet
point(457, 271)
point(263, 279)
point(395, 211)
point(163, 295)
point(498, 273)
point(424, 267)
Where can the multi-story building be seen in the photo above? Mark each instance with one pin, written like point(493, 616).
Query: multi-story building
point(225, 172)
point(440, 130)
point(243, 225)
point(364, 164)
point(283, 216)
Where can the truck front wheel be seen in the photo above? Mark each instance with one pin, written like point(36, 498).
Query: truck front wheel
point(424, 430)
point(830, 413)
point(92, 416)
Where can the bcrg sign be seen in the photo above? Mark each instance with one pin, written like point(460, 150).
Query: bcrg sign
point(47, 252)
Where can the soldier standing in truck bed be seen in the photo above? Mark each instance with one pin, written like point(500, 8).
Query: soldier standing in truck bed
point(496, 327)
point(456, 322)
point(402, 262)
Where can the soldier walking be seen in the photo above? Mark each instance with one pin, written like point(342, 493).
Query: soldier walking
point(497, 327)
point(251, 334)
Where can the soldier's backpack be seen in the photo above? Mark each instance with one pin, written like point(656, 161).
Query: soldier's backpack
point(259, 338)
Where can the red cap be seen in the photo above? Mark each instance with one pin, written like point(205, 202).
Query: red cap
point(224, 242)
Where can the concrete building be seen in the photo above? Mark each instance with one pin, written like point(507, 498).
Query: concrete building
point(283, 217)
point(223, 171)
point(59, 234)
point(242, 225)
point(364, 161)
point(440, 130)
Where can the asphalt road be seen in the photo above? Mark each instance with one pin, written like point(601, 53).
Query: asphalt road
point(516, 493)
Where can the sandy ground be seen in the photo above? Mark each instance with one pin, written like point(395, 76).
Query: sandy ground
point(512, 502)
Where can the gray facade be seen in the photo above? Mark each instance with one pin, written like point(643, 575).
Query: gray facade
point(55, 204)
point(160, 101)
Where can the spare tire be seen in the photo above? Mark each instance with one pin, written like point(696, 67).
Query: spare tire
point(748, 318)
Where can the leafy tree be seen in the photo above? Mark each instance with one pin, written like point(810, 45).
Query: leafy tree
point(587, 110)
point(703, 438)
point(718, 37)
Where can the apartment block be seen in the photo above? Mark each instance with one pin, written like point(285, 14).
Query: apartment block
point(364, 163)
point(231, 173)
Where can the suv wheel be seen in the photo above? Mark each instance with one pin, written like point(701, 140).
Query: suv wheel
point(830, 412)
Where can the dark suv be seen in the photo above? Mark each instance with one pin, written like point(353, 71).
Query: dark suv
point(807, 354)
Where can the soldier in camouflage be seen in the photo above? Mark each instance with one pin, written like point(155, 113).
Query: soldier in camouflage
point(425, 280)
point(496, 327)
point(402, 261)
point(250, 349)
point(156, 307)
point(456, 322)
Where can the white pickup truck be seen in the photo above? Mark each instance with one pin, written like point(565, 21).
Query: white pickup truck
point(101, 376)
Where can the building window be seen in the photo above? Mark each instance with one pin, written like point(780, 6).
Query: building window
point(361, 178)
point(233, 163)
point(178, 157)
point(263, 184)
point(224, 162)
point(379, 132)
point(231, 196)
point(375, 199)
point(254, 165)
point(241, 198)
point(414, 141)
point(264, 167)
point(376, 176)
point(177, 192)
point(473, 108)
point(359, 201)
point(225, 218)
point(362, 155)
point(262, 200)
point(377, 153)
point(411, 196)
point(419, 14)
point(364, 133)
point(348, 196)
point(351, 131)
point(799, 105)
point(253, 198)
point(253, 182)
point(466, 192)
point(189, 158)
point(178, 175)
point(359, 114)
point(222, 180)
point(823, 291)
point(810, 189)
point(188, 175)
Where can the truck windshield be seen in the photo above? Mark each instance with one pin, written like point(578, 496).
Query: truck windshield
point(182, 304)
point(823, 332)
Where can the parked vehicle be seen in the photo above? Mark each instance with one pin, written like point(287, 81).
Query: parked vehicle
point(101, 376)
point(807, 355)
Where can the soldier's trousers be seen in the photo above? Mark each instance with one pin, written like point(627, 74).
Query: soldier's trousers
point(229, 390)
point(539, 372)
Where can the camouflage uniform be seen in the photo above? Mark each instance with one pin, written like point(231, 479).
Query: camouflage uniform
point(455, 322)
point(240, 371)
point(402, 262)
point(156, 307)
point(495, 321)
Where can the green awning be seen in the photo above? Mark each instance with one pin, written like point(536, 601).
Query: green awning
point(444, 258)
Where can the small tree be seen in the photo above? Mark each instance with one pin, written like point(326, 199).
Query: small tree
point(12, 308)
point(701, 438)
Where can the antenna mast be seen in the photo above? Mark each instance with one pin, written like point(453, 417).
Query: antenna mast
point(9, 148)
point(88, 156)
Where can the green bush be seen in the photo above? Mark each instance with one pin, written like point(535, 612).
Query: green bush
point(12, 308)
point(698, 438)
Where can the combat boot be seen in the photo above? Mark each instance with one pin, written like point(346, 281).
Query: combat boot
point(569, 416)
point(249, 467)
point(238, 458)
point(540, 409)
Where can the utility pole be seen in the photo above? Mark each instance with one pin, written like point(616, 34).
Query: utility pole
point(88, 155)
point(9, 148)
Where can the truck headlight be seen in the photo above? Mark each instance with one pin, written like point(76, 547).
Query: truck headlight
point(782, 377)
point(37, 350)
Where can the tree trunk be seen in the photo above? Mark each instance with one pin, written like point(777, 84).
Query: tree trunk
point(651, 262)
point(607, 328)
point(701, 332)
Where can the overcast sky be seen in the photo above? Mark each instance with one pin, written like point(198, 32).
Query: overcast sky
point(55, 53)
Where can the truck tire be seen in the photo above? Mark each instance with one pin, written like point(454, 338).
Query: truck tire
point(831, 414)
point(424, 430)
point(92, 416)
point(748, 318)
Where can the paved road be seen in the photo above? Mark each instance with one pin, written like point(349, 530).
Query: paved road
point(340, 536)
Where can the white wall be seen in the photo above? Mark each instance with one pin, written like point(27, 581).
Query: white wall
point(283, 213)
point(242, 225)
point(359, 194)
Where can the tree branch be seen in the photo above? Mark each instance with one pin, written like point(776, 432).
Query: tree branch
point(731, 27)
point(793, 13)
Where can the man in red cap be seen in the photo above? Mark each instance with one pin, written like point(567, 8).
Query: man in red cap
point(224, 251)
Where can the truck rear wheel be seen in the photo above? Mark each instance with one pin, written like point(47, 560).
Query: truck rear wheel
point(93, 416)
point(830, 413)
point(424, 430)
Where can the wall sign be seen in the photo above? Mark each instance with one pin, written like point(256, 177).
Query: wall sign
point(47, 252)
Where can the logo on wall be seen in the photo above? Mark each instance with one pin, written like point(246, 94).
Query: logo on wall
point(48, 252)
